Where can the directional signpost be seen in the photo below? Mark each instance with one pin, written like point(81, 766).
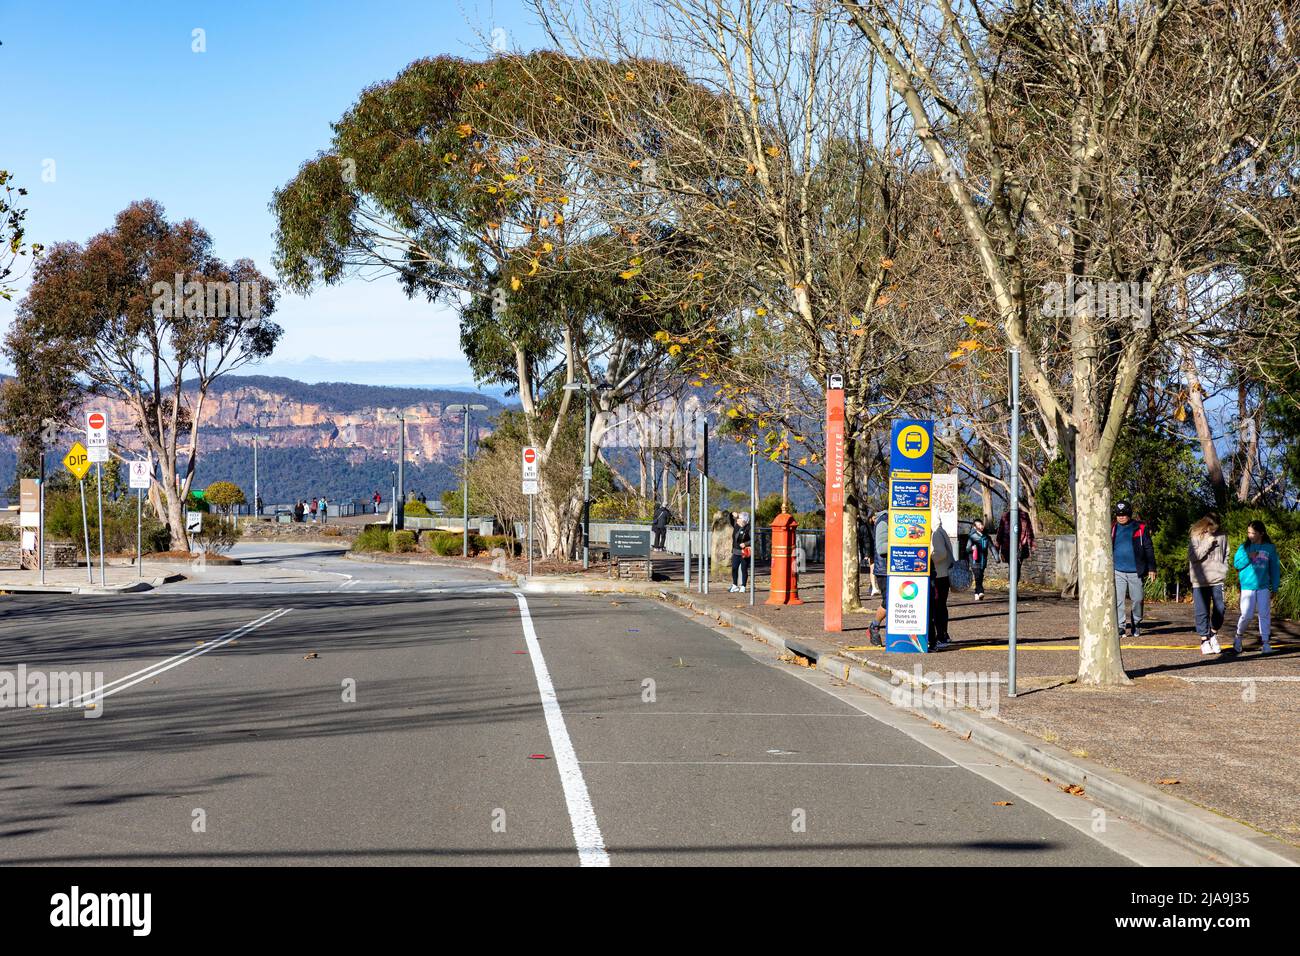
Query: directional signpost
point(911, 463)
point(530, 465)
point(139, 484)
point(97, 446)
point(77, 461)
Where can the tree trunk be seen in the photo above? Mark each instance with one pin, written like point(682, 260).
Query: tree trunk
point(1100, 661)
point(1209, 454)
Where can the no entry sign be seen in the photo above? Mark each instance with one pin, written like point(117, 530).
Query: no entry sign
point(529, 458)
point(96, 430)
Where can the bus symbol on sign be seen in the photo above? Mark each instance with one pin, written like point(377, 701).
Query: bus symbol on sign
point(914, 442)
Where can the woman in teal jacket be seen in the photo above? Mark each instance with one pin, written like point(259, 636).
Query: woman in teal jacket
point(1260, 575)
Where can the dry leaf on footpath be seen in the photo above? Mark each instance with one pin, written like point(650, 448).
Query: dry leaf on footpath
point(966, 736)
point(310, 657)
point(1003, 803)
point(1168, 781)
point(1073, 788)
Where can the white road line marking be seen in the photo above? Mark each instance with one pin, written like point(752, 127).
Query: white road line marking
point(769, 763)
point(699, 713)
point(153, 670)
point(582, 815)
point(1238, 680)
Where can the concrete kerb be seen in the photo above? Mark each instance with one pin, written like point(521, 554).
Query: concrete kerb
point(1160, 812)
point(131, 587)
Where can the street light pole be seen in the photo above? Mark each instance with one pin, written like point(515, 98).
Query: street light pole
point(586, 478)
point(400, 500)
point(257, 511)
point(464, 463)
point(1013, 539)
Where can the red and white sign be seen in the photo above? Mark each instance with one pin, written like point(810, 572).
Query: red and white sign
point(96, 430)
point(833, 613)
point(530, 463)
point(140, 475)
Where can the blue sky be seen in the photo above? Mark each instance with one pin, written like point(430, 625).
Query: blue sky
point(115, 96)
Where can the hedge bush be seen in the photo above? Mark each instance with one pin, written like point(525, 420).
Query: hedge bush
point(504, 542)
point(448, 544)
point(416, 509)
point(401, 541)
point(372, 538)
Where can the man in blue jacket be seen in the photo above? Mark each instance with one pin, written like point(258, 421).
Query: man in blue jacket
point(1135, 558)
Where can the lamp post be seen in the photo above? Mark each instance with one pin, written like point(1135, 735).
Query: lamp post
point(399, 498)
point(464, 463)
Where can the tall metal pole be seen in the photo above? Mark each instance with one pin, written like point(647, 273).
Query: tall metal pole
point(99, 495)
point(139, 552)
point(706, 553)
point(686, 536)
point(530, 535)
point(586, 478)
point(255, 493)
point(753, 511)
point(85, 530)
point(1013, 538)
point(40, 527)
point(464, 463)
point(401, 472)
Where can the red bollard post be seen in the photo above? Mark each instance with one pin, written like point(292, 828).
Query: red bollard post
point(784, 588)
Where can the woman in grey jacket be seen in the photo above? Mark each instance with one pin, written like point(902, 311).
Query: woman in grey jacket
point(1207, 565)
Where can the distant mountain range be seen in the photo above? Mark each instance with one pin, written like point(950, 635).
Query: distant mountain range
point(340, 439)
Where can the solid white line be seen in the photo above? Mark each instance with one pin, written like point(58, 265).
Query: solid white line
point(698, 713)
point(582, 815)
point(768, 763)
point(165, 665)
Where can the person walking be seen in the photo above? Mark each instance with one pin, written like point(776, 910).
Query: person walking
point(977, 553)
point(259, 506)
point(941, 558)
point(660, 525)
point(1207, 566)
point(376, 498)
point(867, 547)
point(297, 511)
point(1260, 576)
point(315, 503)
point(324, 510)
point(880, 538)
point(1135, 558)
point(740, 545)
point(1026, 539)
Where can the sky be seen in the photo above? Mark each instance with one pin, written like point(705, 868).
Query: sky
point(108, 103)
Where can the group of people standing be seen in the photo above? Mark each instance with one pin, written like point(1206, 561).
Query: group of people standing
point(316, 507)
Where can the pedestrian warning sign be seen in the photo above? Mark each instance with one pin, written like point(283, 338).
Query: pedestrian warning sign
point(77, 461)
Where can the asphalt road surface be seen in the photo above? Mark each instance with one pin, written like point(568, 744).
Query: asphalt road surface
point(307, 709)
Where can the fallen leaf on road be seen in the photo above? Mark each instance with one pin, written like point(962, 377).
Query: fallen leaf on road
point(797, 659)
point(538, 757)
point(518, 652)
point(310, 657)
point(966, 736)
point(1073, 788)
point(933, 724)
point(1003, 803)
point(1168, 781)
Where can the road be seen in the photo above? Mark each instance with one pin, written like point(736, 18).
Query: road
point(309, 709)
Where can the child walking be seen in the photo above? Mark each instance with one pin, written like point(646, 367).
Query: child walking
point(1260, 576)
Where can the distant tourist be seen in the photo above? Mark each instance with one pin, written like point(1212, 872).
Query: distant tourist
point(324, 510)
point(376, 498)
point(1135, 558)
point(740, 550)
point(1026, 539)
point(315, 503)
point(297, 511)
point(977, 552)
point(1260, 575)
point(1207, 566)
point(259, 505)
point(660, 525)
point(941, 557)
point(880, 572)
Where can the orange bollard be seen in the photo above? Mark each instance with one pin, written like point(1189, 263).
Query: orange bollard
point(784, 588)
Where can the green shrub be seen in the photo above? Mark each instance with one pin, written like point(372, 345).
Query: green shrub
point(8, 532)
point(401, 541)
point(372, 538)
point(219, 534)
point(416, 509)
point(447, 544)
point(502, 541)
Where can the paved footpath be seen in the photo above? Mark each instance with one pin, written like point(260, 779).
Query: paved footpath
point(435, 715)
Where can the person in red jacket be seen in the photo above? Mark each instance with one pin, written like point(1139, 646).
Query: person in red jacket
point(1026, 539)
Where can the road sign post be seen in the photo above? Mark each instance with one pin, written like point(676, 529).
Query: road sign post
point(911, 466)
point(139, 481)
point(530, 466)
point(833, 614)
point(77, 461)
point(99, 495)
point(85, 530)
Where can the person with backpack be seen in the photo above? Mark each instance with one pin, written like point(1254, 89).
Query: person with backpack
point(1134, 555)
point(1260, 575)
point(315, 503)
point(880, 538)
point(324, 510)
point(660, 525)
point(977, 553)
point(1207, 567)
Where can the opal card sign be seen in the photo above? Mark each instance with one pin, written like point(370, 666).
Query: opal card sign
point(909, 613)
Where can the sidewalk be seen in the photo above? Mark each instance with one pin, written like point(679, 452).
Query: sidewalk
point(1224, 728)
point(117, 579)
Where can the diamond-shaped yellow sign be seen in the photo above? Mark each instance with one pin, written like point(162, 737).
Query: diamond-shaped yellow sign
point(77, 461)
